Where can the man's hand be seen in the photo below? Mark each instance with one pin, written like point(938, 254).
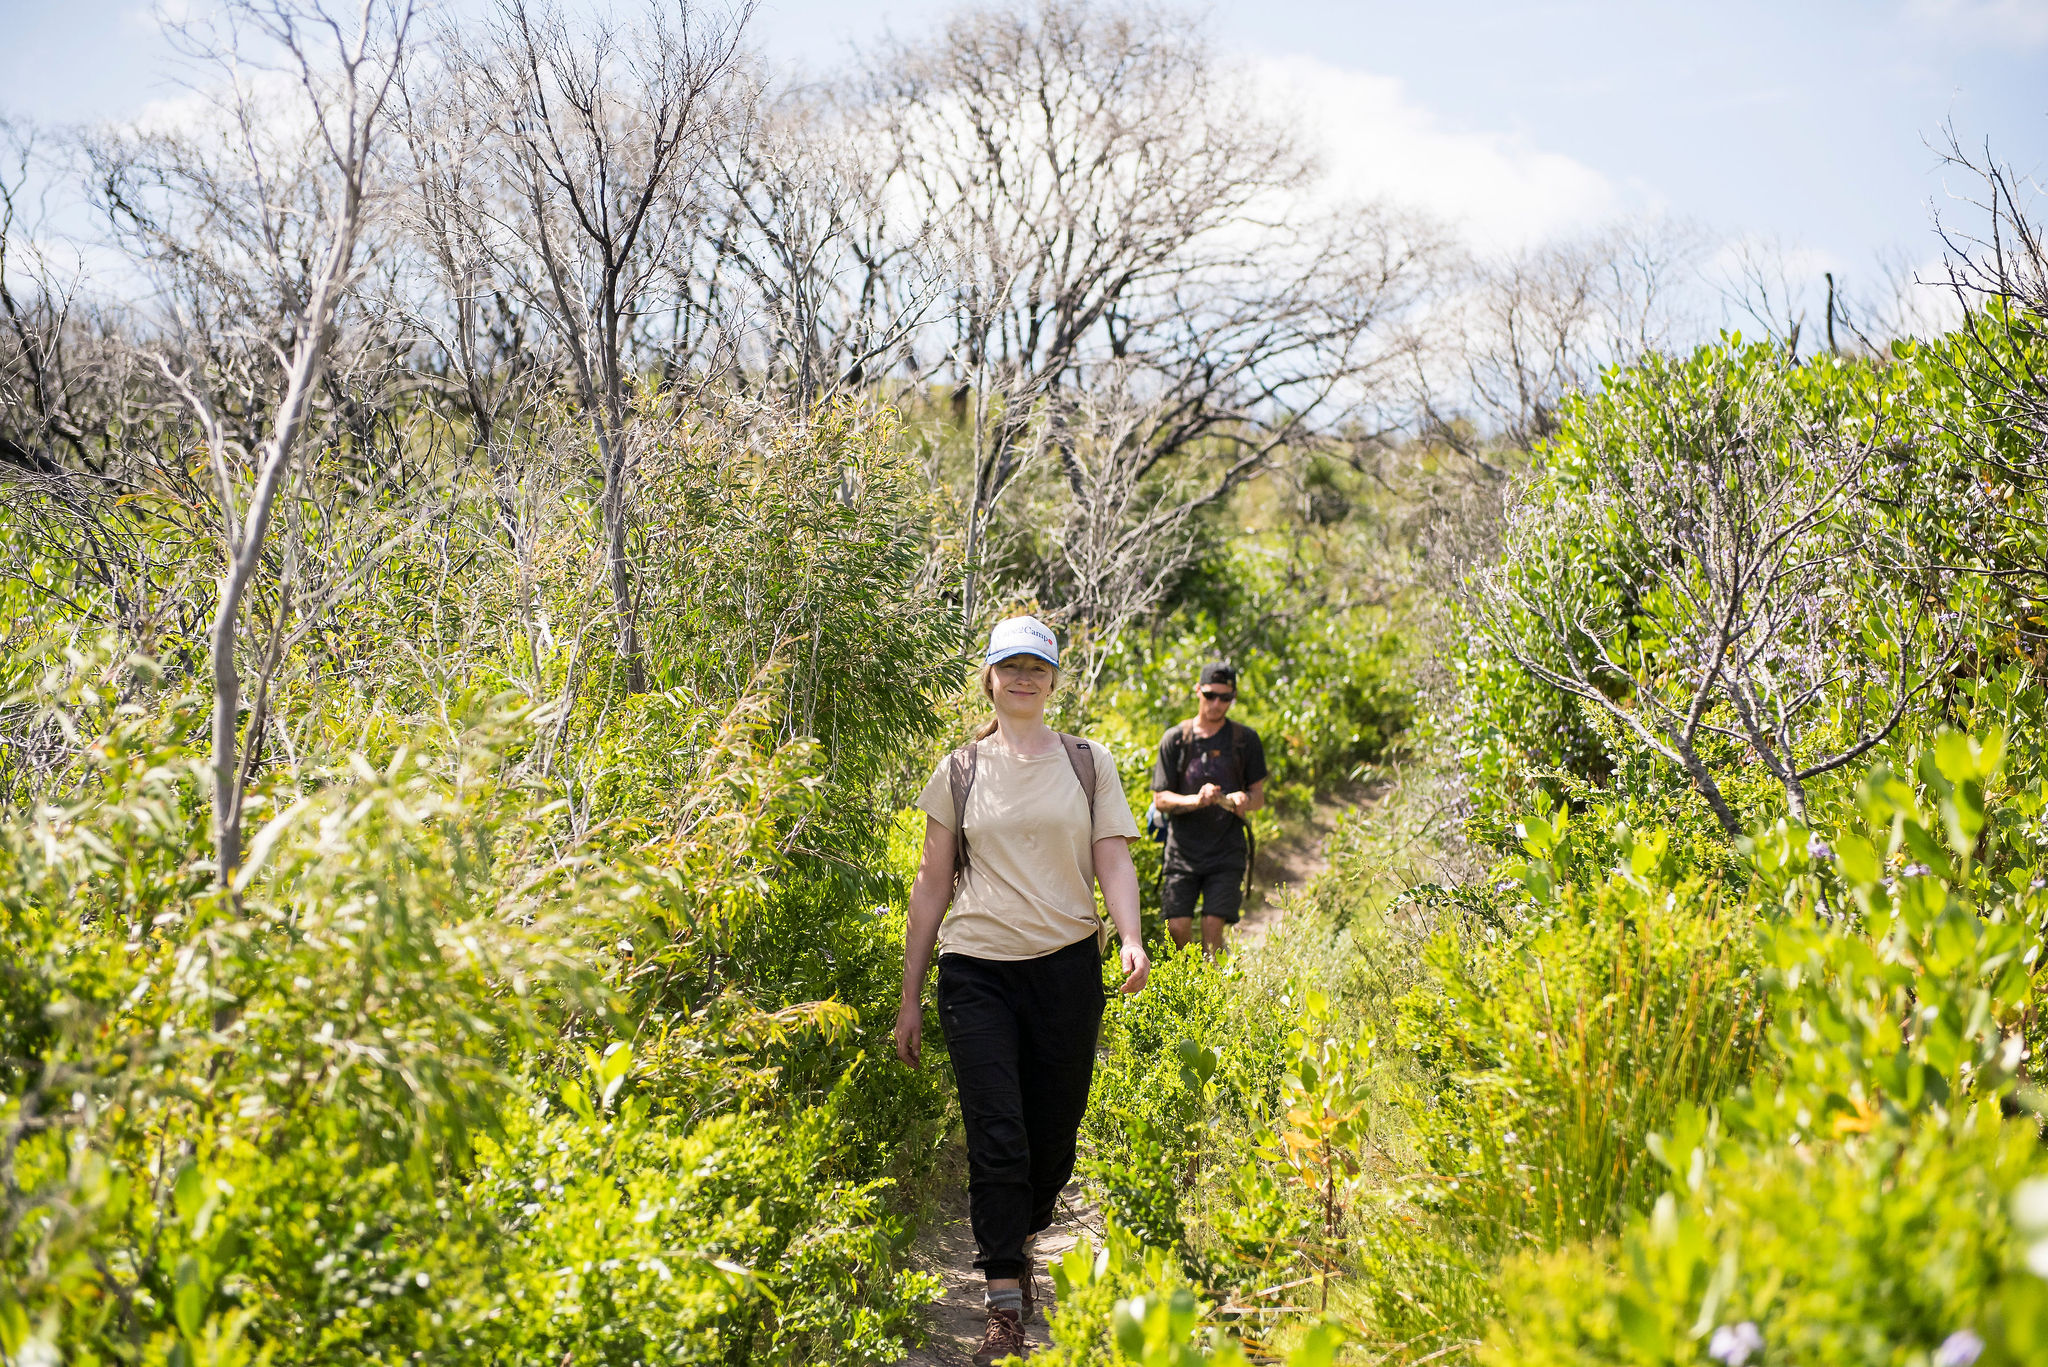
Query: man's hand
point(910, 1032)
point(1236, 802)
point(1211, 794)
point(1137, 967)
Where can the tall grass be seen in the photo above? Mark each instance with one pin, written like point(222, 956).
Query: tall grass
point(1559, 1051)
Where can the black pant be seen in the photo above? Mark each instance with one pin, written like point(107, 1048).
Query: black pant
point(1021, 1034)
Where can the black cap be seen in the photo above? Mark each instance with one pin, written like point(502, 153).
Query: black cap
point(1219, 673)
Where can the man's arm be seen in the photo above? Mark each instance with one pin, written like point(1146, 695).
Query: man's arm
point(1246, 802)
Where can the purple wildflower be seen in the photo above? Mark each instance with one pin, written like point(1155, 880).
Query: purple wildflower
point(1959, 1349)
point(1735, 1344)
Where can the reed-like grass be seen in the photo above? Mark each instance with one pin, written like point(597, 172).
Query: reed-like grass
point(1566, 1048)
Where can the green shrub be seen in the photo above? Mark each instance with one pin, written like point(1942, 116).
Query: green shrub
point(1906, 952)
point(1871, 1253)
point(628, 1236)
point(1558, 1048)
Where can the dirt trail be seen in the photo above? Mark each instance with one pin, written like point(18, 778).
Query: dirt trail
point(946, 1246)
point(957, 1318)
point(1285, 865)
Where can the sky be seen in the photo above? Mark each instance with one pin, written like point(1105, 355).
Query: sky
point(1805, 123)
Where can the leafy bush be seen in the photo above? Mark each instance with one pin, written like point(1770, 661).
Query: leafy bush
point(303, 1118)
point(1558, 1047)
point(1872, 1253)
point(630, 1235)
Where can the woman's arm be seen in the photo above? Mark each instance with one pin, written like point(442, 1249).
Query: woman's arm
point(930, 893)
point(1118, 878)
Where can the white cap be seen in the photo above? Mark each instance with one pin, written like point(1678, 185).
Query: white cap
point(1022, 636)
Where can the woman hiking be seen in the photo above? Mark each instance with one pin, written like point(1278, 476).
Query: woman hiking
point(1021, 824)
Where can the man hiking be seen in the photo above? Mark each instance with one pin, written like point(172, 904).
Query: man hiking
point(1211, 775)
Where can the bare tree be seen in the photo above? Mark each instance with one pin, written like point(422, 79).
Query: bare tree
point(818, 291)
point(41, 379)
point(1108, 205)
point(67, 375)
point(1997, 271)
point(278, 239)
point(489, 344)
point(1764, 280)
point(1701, 578)
point(602, 135)
point(1539, 325)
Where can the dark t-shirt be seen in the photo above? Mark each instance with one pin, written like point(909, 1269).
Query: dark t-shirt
point(1209, 838)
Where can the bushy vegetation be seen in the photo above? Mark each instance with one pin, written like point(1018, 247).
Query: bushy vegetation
point(522, 1030)
point(1718, 1041)
point(470, 634)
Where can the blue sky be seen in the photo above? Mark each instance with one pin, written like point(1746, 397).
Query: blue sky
point(1805, 121)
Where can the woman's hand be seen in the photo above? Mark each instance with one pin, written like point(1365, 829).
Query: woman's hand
point(1137, 968)
point(910, 1032)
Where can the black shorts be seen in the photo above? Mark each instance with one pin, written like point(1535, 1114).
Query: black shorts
point(1220, 891)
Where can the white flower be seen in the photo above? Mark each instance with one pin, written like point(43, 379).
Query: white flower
point(1736, 1344)
point(1959, 1349)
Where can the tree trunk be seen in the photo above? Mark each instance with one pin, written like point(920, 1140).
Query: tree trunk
point(1704, 783)
point(618, 567)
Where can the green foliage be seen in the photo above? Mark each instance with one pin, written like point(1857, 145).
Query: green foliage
point(1557, 1047)
point(1871, 1253)
point(1187, 1067)
point(633, 1235)
point(1127, 1304)
point(1319, 678)
point(1904, 967)
point(306, 1119)
point(1322, 1127)
point(1596, 667)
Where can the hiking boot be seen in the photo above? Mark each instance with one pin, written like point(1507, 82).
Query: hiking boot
point(1005, 1338)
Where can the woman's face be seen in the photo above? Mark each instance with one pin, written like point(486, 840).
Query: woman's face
point(1022, 686)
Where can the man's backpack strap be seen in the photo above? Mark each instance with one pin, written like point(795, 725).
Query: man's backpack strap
point(960, 772)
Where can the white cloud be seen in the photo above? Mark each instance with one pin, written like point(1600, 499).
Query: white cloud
point(1375, 142)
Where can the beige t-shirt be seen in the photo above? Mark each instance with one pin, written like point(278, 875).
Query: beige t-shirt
point(1030, 884)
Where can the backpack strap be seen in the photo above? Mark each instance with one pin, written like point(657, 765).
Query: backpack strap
point(1081, 755)
point(960, 775)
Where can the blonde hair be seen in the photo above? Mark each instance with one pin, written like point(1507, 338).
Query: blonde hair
point(988, 690)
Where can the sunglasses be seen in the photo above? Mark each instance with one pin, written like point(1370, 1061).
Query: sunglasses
point(1213, 696)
